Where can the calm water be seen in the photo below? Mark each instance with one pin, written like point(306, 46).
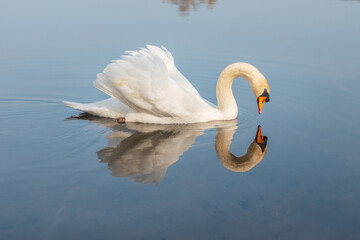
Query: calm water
point(69, 177)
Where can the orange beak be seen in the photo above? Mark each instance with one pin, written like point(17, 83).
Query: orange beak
point(260, 102)
point(259, 137)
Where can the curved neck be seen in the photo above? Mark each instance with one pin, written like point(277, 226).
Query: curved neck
point(253, 156)
point(224, 94)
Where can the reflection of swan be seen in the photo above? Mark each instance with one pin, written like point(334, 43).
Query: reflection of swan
point(143, 152)
point(255, 152)
point(146, 87)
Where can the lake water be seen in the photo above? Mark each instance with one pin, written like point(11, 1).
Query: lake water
point(64, 176)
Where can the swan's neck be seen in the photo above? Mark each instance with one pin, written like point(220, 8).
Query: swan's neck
point(225, 97)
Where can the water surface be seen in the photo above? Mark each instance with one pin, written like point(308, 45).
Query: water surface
point(89, 178)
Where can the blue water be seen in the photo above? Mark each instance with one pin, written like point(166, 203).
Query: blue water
point(68, 177)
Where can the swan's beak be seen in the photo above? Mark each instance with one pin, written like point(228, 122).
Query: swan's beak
point(260, 139)
point(260, 102)
point(264, 97)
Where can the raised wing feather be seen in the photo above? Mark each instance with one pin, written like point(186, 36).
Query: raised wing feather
point(148, 81)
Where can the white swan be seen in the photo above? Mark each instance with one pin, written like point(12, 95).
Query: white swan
point(146, 87)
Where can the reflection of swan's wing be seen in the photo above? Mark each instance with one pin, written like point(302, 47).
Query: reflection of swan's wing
point(145, 156)
point(148, 82)
point(255, 152)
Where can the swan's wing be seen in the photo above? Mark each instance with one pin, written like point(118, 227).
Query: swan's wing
point(148, 81)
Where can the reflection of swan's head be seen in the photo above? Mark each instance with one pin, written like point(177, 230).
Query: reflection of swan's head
point(255, 152)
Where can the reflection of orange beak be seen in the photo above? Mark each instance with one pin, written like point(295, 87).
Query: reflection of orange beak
point(260, 102)
point(259, 137)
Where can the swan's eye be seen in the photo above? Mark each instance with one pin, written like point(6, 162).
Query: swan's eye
point(266, 95)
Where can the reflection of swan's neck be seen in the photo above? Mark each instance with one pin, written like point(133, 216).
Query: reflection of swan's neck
point(244, 163)
point(224, 94)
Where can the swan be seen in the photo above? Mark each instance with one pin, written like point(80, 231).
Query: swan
point(145, 86)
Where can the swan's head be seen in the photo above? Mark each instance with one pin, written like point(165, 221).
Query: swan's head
point(257, 81)
point(258, 84)
point(262, 98)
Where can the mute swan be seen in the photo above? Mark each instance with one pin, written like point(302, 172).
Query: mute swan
point(146, 87)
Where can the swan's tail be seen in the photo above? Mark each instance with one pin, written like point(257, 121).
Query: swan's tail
point(75, 105)
point(110, 108)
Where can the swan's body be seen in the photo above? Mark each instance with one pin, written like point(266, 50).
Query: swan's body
point(146, 87)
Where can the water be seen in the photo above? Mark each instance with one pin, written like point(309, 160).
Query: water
point(65, 176)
